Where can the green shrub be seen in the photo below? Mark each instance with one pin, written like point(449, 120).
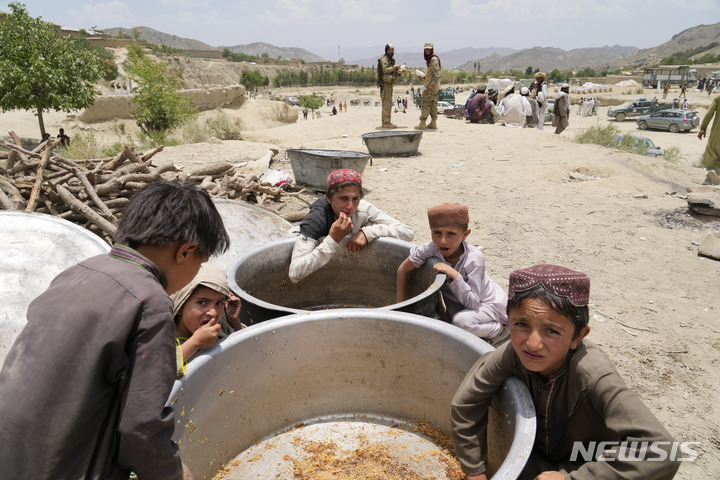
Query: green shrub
point(604, 136)
point(111, 150)
point(672, 154)
point(222, 127)
point(83, 145)
point(627, 144)
point(194, 131)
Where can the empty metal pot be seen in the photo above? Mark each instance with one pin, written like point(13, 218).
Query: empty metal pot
point(249, 226)
point(311, 167)
point(392, 144)
point(34, 249)
point(366, 279)
point(332, 366)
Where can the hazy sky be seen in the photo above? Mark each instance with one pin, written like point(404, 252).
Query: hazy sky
point(320, 26)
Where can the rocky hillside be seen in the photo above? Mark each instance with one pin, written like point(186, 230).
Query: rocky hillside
point(700, 40)
point(547, 59)
point(160, 38)
point(703, 38)
point(258, 48)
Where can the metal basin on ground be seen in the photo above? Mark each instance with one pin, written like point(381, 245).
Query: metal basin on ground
point(366, 279)
point(34, 248)
point(333, 370)
point(392, 144)
point(311, 167)
point(248, 226)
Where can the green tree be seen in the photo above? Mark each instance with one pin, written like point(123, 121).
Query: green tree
point(253, 79)
point(528, 71)
point(556, 76)
point(159, 104)
point(313, 102)
point(586, 72)
point(41, 71)
point(106, 60)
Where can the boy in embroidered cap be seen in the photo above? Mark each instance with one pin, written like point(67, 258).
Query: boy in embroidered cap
point(340, 219)
point(579, 398)
point(471, 299)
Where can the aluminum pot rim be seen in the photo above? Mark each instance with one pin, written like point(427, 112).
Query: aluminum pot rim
point(525, 421)
point(436, 284)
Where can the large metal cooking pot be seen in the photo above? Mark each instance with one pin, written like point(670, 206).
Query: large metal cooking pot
point(311, 167)
point(34, 249)
point(365, 279)
point(339, 365)
point(392, 144)
point(248, 226)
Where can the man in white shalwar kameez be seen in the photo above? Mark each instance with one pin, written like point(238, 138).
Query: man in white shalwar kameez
point(514, 109)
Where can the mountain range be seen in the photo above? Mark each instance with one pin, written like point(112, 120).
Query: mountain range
point(700, 40)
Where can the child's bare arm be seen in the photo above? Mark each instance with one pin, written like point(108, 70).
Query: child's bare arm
point(403, 270)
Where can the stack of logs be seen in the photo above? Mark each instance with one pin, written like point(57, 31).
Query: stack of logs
point(94, 193)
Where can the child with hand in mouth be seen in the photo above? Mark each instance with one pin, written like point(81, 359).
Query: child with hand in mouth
point(471, 299)
point(341, 219)
point(205, 311)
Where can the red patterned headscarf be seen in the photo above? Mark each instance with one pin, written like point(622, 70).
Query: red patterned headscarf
point(342, 176)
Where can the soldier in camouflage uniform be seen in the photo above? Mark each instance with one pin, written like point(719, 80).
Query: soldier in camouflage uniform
point(387, 74)
point(431, 87)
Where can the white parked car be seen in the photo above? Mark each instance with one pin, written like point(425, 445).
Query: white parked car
point(444, 105)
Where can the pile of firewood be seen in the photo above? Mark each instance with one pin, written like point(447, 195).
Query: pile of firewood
point(93, 193)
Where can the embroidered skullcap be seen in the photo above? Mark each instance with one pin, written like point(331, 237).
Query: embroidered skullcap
point(428, 45)
point(524, 91)
point(344, 175)
point(575, 286)
point(448, 215)
point(540, 75)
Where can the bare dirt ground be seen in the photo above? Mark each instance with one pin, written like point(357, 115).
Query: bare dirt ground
point(622, 219)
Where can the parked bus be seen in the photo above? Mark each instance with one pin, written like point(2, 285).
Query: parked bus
point(652, 77)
